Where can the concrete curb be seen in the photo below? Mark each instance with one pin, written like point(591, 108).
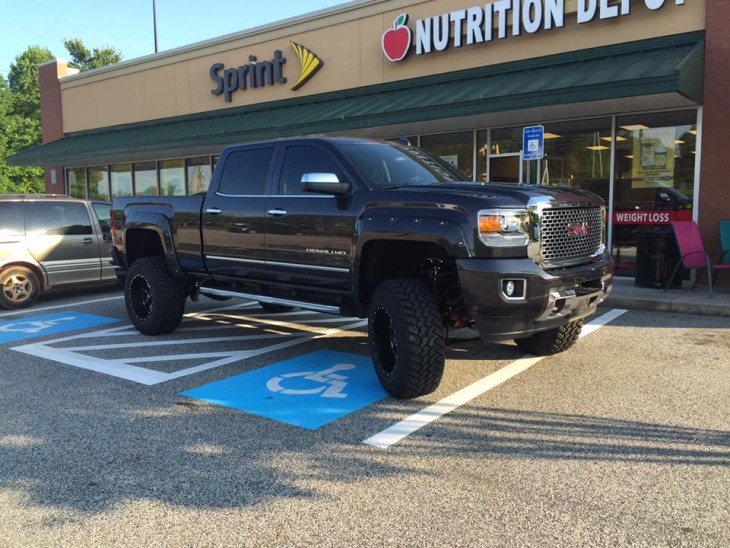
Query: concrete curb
point(684, 301)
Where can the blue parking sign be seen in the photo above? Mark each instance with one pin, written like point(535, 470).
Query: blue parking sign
point(533, 142)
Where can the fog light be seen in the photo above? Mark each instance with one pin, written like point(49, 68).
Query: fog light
point(514, 289)
point(509, 288)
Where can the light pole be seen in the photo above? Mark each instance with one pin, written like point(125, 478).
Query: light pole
point(154, 22)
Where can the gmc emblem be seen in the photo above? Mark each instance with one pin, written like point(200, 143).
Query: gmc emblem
point(579, 229)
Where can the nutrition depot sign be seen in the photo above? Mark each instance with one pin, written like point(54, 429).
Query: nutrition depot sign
point(498, 20)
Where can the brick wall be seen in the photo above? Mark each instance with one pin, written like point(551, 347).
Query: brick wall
point(51, 116)
point(715, 162)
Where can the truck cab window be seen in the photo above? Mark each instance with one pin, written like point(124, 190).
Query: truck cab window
point(245, 172)
point(301, 159)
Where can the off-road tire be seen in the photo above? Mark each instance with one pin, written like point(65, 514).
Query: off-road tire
point(552, 341)
point(275, 308)
point(407, 338)
point(19, 287)
point(155, 299)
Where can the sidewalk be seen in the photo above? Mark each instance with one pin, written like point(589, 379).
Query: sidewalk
point(683, 300)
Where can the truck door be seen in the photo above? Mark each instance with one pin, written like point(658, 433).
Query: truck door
point(234, 238)
point(309, 236)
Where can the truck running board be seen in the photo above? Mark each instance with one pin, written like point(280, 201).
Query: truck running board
point(271, 300)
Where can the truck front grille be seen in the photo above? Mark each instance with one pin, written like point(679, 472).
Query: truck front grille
point(570, 235)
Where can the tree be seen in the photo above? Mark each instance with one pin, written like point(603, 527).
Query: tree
point(20, 125)
point(84, 59)
point(20, 119)
point(23, 80)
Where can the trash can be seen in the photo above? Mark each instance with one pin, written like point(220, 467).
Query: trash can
point(656, 256)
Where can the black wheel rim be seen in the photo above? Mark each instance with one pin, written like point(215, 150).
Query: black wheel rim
point(141, 297)
point(386, 346)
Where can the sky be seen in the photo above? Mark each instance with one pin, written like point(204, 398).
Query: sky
point(127, 24)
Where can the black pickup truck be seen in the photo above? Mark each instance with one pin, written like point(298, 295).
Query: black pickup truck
point(371, 229)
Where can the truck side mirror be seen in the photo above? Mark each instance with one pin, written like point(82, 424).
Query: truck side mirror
point(324, 183)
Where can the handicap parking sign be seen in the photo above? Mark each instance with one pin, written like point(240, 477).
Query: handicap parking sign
point(309, 391)
point(533, 142)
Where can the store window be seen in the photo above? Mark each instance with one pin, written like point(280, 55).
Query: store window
point(76, 181)
point(456, 149)
point(576, 154)
point(172, 177)
point(145, 179)
point(503, 156)
point(199, 174)
point(99, 183)
point(121, 180)
point(654, 185)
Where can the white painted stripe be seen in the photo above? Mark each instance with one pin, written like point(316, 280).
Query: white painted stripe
point(178, 342)
point(140, 375)
point(600, 321)
point(67, 305)
point(409, 425)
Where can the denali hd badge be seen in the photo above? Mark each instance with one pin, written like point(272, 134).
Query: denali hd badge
point(579, 229)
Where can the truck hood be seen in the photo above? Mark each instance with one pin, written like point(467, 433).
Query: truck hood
point(502, 195)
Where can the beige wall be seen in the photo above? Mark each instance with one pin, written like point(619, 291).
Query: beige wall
point(347, 39)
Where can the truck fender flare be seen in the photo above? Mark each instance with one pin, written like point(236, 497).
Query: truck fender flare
point(160, 225)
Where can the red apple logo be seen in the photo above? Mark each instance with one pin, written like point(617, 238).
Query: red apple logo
point(397, 41)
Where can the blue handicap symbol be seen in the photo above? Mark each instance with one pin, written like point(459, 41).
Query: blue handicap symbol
point(49, 324)
point(309, 391)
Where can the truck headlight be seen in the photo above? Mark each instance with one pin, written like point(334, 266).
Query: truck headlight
point(504, 227)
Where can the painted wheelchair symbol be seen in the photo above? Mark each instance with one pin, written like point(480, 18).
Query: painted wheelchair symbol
point(331, 385)
point(33, 326)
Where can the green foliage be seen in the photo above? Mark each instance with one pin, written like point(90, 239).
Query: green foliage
point(20, 119)
point(84, 59)
point(23, 79)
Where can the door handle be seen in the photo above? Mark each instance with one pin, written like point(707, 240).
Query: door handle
point(277, 212)
point(213, 210)
point(87, 241)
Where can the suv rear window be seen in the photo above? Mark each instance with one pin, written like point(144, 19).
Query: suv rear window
point(58, 218)
point(11, 219)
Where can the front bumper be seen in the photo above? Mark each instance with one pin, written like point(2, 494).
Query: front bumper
point(549, 299)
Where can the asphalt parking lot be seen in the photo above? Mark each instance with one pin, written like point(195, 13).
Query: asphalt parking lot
point(244, 428)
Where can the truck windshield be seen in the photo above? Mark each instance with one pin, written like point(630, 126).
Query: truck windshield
point(386, 165)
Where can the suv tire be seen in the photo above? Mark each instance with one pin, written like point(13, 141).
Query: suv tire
point(407, 338)
point(155, 299)
point(552, 341)
point(19, 287)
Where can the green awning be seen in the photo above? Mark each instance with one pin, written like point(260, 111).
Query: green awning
point(667, 65)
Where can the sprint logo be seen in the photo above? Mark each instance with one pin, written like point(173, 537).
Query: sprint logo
point(310, 64)
point(259, 74)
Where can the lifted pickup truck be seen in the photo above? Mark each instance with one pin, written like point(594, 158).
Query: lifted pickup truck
point(371, 229)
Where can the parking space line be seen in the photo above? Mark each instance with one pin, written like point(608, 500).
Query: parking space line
point(125, 368)
point(42, 309)
point(409, 425)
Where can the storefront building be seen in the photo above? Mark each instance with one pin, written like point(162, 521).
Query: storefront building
point(633, 96)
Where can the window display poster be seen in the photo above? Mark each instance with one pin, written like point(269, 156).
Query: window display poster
point(653, 162)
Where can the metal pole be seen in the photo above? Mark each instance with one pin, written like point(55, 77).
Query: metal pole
point(154, 22)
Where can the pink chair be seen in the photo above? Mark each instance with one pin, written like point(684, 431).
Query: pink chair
point(693, 253)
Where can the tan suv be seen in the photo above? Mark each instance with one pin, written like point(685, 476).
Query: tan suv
point(48, 241)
